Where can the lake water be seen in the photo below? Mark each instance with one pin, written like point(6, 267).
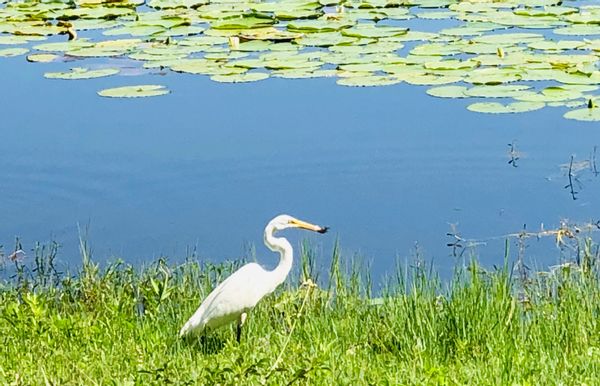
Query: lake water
point(207, 166)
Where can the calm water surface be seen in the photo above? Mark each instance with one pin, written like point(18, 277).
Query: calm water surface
point(207, 166)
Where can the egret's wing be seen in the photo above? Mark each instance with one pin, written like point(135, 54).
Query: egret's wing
point(235, 295)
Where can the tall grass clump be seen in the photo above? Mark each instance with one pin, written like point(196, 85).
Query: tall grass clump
point(118, 324)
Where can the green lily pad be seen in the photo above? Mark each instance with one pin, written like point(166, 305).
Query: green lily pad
point(559, 45)
point(412, 36)
point(463, 31)
point(9, 52)
point(436, 49)
point(140, 91)
point(368, 81)
point(451, 64)
point(240, 78)
point(324, 39)
point(493, 76)
point(508, 39)
point(569, 104)
point(499, 91)
point(42, 58)
point(585, 114)
point(303, 74)
point(378, 47)
point(18, 39)
point(578, 29)
point(499, 108)
point(82, 73)
point(551, 94)
point(372, 31)
point(135, 30)
point(436, 15)
point(242, 23)
point(63, 46)
point(319, 25)
point(578, 78)
point(448, 92)
point(430, 79)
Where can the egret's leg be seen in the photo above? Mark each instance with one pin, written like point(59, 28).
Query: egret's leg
point(240, 324)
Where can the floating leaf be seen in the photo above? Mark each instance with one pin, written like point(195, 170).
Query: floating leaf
point(559, 45)
point(8, 52)
point(430, 80)
point(63, 46)
point(18, 39)
point(448, 92)
point(499, 108)
point(499, 91)
point(82, 73)
point(368, 81)
point(493, 76)
point(372, 31)
point(243, 23)
point(240, 78)
point(585, 114)
point(578, 29)
point(551, 94)
point(437, 15)
point(42, 58)
point(317, 25)
point(135, 30)
point(134, 91)
point(507, 39)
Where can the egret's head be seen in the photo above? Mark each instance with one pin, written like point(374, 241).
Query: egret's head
point(284, 221)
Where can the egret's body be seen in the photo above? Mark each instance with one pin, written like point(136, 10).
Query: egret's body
point(231, 300)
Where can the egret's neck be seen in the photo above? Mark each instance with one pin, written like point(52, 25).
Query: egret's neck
point(286, 255)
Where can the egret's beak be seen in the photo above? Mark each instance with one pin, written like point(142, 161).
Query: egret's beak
point(308, 226)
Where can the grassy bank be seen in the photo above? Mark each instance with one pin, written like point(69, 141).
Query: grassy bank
point(119, 324)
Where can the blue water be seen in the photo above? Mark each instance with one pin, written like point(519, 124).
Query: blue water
point(207, 166)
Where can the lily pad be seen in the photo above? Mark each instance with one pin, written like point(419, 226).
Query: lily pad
point(243, 23)
point(18, 39)
point(499, 108)
point(372, 31)
point(507, 39)
point(82, 73)
point(368, 81)
point(42, 58)
point(317, 25)
point(140, 91)
point(585, 114)
point(499, 91)
point(578, 29)
point(448, 92)
point(559, 45)
point(9, 52)
point(240, 78)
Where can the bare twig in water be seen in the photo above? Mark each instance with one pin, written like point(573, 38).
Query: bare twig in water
point(513, 154)
point(456, 243)
point(572, 178)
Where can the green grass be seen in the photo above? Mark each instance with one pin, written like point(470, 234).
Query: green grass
point(118, 325)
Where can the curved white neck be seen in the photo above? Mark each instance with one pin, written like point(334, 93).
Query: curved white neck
point(286, 255)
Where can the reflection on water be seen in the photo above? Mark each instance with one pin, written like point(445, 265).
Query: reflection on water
point(209, 165)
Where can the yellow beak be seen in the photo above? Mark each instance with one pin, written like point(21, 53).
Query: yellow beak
point(308, 226)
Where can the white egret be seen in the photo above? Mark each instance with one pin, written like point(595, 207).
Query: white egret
point(232, 299)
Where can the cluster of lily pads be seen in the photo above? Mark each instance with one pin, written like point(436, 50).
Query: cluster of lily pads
point(533, 53)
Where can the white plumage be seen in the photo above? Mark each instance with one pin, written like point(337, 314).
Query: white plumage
point(232, 299)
